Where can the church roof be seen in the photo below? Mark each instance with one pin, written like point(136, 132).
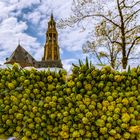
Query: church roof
point(21, 56)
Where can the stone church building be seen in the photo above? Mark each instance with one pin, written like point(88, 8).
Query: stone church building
point(51, 56)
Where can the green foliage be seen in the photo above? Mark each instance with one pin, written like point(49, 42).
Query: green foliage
point(91, 104)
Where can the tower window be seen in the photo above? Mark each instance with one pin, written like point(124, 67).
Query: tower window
point(54, 37)
point(50, 37)
point(55, 53)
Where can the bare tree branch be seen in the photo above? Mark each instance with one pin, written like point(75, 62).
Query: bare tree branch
point(117, 32)
point(132, 29)
point(133, 43)
point(130, 6)
point(131, 16)
point(100, 15)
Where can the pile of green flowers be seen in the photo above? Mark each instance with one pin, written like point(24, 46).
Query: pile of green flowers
point(90, 104)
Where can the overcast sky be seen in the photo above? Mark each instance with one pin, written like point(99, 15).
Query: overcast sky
point(26, 20)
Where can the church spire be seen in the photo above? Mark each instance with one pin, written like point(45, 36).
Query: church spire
point(51, 49)
point(52, 16)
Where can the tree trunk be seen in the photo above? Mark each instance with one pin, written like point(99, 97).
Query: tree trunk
point(112, 62)
point(123, 38)
point(124, 62)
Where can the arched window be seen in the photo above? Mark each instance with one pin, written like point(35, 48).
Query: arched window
point(54, 36)
point(50, 36)
point(55, 53)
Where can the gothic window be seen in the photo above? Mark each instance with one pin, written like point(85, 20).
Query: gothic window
point(49, 52)
point(50, 36)
point(55, 53)
point(54, 37)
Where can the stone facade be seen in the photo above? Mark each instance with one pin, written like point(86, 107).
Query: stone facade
point(49, 63)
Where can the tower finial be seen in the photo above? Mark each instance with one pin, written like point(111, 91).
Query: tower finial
point(51, 14)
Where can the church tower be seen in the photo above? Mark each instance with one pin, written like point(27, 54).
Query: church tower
point(51, 56)
point(51, 48)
